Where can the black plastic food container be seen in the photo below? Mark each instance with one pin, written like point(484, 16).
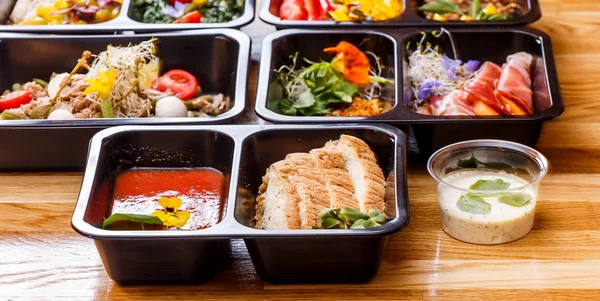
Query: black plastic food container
point(410, 17)
point(123, 22)
point(241, 152)
point(220, 62)
point(431, 132)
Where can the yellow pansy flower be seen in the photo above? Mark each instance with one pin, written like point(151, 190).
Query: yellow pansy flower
point(170, 216)
point(102, 84)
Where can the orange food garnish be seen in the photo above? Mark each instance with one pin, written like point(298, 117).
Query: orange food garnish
point(483, 109)
point(361, 107)
point(514, 108)
point(352, 63)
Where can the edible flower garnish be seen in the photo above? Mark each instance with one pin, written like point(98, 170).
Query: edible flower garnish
point(171, 215)
point(102, 84)
point(428, 87)
point(352, 63)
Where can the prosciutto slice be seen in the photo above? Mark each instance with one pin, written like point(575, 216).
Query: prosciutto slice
point(514, 85)
point(456, 103)
point(481, 88)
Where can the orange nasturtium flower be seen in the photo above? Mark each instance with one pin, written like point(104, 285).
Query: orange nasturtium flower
point(170, 215)
point(352, 63)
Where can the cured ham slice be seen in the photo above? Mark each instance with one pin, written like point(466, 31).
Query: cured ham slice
point(454, 104)
point(481, 89)
point(514, 85)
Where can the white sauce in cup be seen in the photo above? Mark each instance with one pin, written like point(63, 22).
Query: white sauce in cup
point(504, 223)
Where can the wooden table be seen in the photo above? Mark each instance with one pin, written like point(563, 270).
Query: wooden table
point(42, 258)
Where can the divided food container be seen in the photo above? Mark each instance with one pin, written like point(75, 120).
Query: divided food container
point(431, 132)
point(123, 22)
point(411, 16)
point(242, 153)
point(218, 58)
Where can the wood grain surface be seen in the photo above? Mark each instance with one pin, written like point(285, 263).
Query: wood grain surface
point(42, 258)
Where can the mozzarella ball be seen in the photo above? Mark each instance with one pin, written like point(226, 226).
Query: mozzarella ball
point(54, 84)
point(171, 106)
point(60, 114)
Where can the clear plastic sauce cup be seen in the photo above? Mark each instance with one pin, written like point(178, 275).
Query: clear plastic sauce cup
point(487, 189)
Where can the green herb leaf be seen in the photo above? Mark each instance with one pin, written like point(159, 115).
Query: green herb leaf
point(327, 212)
point(352, 214)
point(489, 185)
point(441, 7)
point(329, 223)
point(497, 17)
point(358, 224)
point(106, 106)
point(516, 199)
point(319, 108)
point(137, 218)
point(377, 216)
point(305, 100)
point(468, 163)
point(473, 204)
point(475, 8)
point(370, 224)
point(287, 108)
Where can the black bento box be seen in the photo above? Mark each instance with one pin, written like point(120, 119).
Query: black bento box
point(242, 153)
point(410, 17)
point(431, 132)
point(218, 58)
point(123, 22)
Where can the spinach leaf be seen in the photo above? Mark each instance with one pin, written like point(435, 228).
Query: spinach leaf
point(352, 214)
point(137, 218)
point(473, 204)
point(475, 8)
point(516, 199)
point(287, 108)
point(441, 7)
point(490, 185)
point(305, 100)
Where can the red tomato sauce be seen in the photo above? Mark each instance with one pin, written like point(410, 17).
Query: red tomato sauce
point(136, 191)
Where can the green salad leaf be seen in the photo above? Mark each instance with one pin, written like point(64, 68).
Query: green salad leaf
point(516, 199)
point(441, 7)
point(473, 204)
point(136, 218)
point(490, 185)
point(475, 8)
point(325, 86)
point(349, 218)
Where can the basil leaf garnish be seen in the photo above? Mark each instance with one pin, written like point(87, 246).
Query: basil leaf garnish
point(516, 199)
point(488, 185)
point(329, 223)
point(358, 224)
point(473, 204)
point(137, 218)
point(474, 8)
point(441, 7)
point(352, 214)
point(377, 216)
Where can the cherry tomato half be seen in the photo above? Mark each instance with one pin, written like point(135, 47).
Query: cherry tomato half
point(180, 82)
point(14, 100)
point(293, 10)
point(193, 17)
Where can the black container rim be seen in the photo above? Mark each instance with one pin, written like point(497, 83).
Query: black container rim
point(241, 80)
point(400, 114)
point(229, 227)
point(124, 23)
point(408, 18)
